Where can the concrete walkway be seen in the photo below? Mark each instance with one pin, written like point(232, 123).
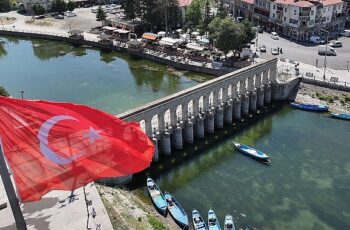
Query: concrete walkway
point(57, 211)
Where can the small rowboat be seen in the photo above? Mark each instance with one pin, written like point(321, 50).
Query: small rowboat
point(343, 116)
point(229, 225)
point(198, 221)
point(176, 211)
point(157, 196)
point(310, 107)
point(213, 223)
point(256, 154)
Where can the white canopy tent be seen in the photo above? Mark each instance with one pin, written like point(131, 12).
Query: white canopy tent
point(168, 41)
point(195, 46)
point(121, 31)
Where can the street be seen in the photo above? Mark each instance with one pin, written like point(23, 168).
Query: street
point(305, 53)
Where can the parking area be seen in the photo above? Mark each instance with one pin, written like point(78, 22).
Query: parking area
point(306, 53)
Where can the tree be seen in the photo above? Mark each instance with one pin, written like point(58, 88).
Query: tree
point(3, 92)
point(38, 9)
point(58, 6)
point(193, 15)
point(5, 5)
point(207, 18)
point(226, 34)
point(101, 14)
point(129, 9)
point(150, 13)
point(221, 10)
point(71, 6)
point(248, 31)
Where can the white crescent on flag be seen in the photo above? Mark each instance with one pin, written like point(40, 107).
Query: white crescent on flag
point(44, 142)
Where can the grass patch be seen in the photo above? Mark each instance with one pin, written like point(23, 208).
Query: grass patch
point(327, 98)
point(156, 224)
point(347, 98)
point(116, 221)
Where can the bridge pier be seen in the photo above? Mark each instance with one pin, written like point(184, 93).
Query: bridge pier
point(260, 101)
point(155, 156)
point(200, 126)
point(210, 121)
point(267, 98)
point(166, 143)
point(177, 140)
point(228, 112)
point(252, 101)
point(245, 104)
point(189, 132)
point(237, 115)
point(219, 117)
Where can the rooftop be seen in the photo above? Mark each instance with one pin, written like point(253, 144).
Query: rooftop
point(183, 3)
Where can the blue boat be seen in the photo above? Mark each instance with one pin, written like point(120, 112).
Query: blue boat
point(229, 225)
point(254, 153)
point(198, 221)
point(343, 116)
point(157, 196)
point(176, 211)
point(310, 107)
point(213, 222)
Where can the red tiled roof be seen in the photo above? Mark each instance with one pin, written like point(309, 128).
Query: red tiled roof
point(248, 1)
point(296, 3)
point(183, 3)
point(330, 2)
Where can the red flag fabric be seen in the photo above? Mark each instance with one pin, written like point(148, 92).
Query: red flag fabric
point(63, 146)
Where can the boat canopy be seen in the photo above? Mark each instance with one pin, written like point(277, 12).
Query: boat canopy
point(161, 33)
point(168, 41)
point(150, 36)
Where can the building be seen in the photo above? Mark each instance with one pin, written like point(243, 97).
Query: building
point(298, 19)
point(28, 4)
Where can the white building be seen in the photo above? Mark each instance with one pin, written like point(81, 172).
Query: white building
point(28, 4)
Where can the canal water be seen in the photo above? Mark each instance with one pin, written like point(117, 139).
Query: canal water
point(306, 186)
point(112, 81)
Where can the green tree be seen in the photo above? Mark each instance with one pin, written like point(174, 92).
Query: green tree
point(3, 92)
point(151, 14)
point(129, 9)
point(207, 18)
point(226, 34)
point(59, 6)
point(221, 10)
point(5, 5)
point(248, 31)
point(193, 15)
point(101, 15)
point(71, 6)
point(38, 9)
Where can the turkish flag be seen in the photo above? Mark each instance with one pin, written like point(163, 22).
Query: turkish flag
point(63, 146)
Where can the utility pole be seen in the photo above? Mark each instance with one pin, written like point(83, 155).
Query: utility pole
point(325, 56)
point(11, 195)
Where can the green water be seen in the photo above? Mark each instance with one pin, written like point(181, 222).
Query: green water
point(111, 81)
point(307, 185)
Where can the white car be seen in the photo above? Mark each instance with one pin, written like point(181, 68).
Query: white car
point(274, 51)
point(274, 36)
point(323, 50)
point(263, 48)
point(335, 44)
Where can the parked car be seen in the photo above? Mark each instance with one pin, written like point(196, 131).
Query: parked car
point(260, 30)
point(40, 17)
point(59, 16)
point(274, 36)
point(274, 51)
point(335, 44)
point(71, 14)
point(94, 10)
point(323, 50)
point(345, 33)
point(263, 48)
point(317, 40)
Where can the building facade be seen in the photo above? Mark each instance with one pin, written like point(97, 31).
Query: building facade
point(297, 19)
point(28, 4)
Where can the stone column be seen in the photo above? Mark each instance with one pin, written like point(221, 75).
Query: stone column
point(267, 98)
point(228, 112)
point(257, 80)
point(178, 137)
point(165, 143)
point(245, 104)
point(155, 156)
point(265, 77)
point(200, 126)
point(148, 126)
point(273, 74)
point(206, 103)
point(189, 132)
point(242, 88)
point(219, 117)
point(260, 93)
point(250, 83)
point(210, 121)
point(252, 101)
point(237, 115)
point(215, 99)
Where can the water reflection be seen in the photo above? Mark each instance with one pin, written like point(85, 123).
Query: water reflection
point(3, 51)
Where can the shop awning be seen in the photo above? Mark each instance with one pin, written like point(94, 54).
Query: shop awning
point(168, 41)
point(195, 46)
point(150, 36)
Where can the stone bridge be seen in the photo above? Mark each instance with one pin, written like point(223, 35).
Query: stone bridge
point(191, 113)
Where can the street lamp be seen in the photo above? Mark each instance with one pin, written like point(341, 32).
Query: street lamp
point(325, 55)
point(21, 92)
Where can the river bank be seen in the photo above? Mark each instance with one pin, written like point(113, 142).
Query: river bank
point(338, 101)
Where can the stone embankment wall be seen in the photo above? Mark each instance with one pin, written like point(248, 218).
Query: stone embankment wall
point(326, 84)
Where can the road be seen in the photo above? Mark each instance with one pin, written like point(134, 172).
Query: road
point(306, 53)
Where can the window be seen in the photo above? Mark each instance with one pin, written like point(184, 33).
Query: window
point(273, 15)
point(312, 12)
point(329, 8)
point(339, 6)
point(293, 21)
point(285, 19)
point(285, 9)
point(327, 18)
point(295, 12)
point(264, 4)
point(274, 6)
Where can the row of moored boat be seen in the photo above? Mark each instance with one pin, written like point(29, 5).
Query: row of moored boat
point(320, 108)
point(167, 203)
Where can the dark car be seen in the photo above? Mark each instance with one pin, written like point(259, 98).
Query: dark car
point(260, 30)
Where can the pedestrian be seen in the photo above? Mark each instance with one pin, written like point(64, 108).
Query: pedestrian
point(281, 50)
point(278, 49)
